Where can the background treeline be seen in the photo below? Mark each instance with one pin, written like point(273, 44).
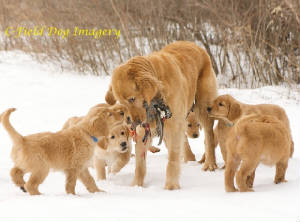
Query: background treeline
point(251, 42)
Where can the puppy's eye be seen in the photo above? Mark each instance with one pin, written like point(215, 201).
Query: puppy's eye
point(112, 137)
point(122, 133)
point(122, 113)
point(220, 104)
point(131, 100)
point(189, 125)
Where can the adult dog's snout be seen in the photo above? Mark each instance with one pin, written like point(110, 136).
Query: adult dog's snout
point(128, 119)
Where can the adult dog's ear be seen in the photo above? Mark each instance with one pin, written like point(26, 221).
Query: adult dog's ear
point(145, 78)
point(109, 97)
point(234, 111)
point(102, 143)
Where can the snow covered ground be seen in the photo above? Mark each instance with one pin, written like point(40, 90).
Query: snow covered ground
point(45, 97)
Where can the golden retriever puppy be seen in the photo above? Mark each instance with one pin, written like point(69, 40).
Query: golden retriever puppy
point(117, 108)
point(252, 140)
point(124, 118)
point(226, 108)
point(70, 150)
point(159, 90)
point(193, 131)
point(114, 152)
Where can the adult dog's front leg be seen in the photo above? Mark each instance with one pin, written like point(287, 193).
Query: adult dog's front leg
point(208, 123)
point(175, 144)
point(140, 158)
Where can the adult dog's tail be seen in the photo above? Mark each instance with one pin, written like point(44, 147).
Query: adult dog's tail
point(14, 135)
point(109, 97)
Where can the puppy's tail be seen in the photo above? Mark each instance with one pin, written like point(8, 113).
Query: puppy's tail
point(14, 135)
point(109, 97)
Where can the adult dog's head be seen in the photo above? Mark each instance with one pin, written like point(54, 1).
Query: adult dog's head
point(225, 107)
point(134, 83)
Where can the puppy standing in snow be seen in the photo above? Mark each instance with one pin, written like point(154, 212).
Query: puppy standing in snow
point(225, 108)
point(103, 154)
point(254, 139)
point(115, 151)
point(70, 150)
point(193, 132)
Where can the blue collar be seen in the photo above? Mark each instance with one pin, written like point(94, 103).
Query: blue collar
point(95, 139)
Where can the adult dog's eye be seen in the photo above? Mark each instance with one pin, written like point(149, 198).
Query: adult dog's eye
point(122, 133)
point(189, 125)
point(220, 104)
point(122, 113)
point(131, 100)
point(112, 137)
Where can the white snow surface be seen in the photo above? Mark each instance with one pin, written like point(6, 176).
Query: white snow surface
point(45, 97)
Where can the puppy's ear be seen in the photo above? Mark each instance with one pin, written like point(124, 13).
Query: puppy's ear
point(143, 73)
point(109, 97)
point(102, 143)
point(234, 111)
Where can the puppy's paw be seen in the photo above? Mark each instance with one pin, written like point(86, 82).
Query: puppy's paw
point(209, 166)
point(246, 189)
point(230, 189)
point(202, 159)
point(280, 180)
point(172, 186)
point(137, 182)
point(23, 189)
point(189, 158)
point(96, 190)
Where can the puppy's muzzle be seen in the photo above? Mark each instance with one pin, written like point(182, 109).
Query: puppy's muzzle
point(123, 146)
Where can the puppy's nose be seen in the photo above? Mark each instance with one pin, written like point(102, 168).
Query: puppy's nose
point(208, 109)
point(128, 120)
point(123, 144)
point(195, 135)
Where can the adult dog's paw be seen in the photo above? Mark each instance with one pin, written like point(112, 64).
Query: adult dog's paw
point(172, 186)
point(210, 166)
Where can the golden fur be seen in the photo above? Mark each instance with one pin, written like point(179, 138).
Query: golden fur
point(120, 109)
point(180, 74)
point(193, 131)
point(115, 151)
point(226, 107)
point(117, 108)
point(70, 150)
point(252, 140)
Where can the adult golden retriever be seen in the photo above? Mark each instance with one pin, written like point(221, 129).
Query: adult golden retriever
point(179, 75)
